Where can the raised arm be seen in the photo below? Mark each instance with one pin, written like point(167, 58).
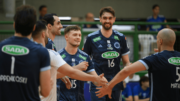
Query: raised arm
point(133, 68)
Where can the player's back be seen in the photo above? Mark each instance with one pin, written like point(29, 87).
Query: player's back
point(20, 66)
point(164, 74)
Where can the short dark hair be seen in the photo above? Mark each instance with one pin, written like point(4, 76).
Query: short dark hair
point(41, 7)
point(107, 9)
point(49, 18)
point(143, 79)
point(154, 6)
point(25, 19)
point(70, 28)
point(40, 25)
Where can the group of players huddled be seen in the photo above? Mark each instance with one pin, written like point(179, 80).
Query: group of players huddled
point(30, 64)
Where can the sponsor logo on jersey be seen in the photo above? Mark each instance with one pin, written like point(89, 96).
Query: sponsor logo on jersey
point(110, 55)
point(97, 39)
point(15, 50)
point(63, 56)
point(117, 45)
point(82, 57)
point(174, 60)
point(116, 37)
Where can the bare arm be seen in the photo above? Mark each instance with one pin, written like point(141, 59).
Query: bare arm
point(135, 67)
point(60, 75)
point(94, 73)
point(79, 75)
point(125, 60)
point(130, 98)
point(167, 26)
point(136, 98)
point(45, 83)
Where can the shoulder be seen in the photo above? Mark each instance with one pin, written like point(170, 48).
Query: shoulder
point(149, 17)
point(61, 51)
point(118, 33)
point(52, 52)
point(93, 34)
point(83, 53)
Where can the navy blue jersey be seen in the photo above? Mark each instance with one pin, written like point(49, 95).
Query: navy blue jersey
point(51, 45)
point(164, 74)
point(21, 63)
point(106, 53)
point(76, 93)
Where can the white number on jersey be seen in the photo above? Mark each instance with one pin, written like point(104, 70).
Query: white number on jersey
point(73, 84)
point(177, 68)
point(12, 64)
point(111, 63)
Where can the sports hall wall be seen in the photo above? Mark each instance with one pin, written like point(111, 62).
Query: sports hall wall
point(123, 8)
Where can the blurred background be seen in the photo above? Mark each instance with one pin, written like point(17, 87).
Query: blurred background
point(138, 20)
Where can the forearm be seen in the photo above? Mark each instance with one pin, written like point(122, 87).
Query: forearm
point(77, 67)
point(129, 98)
point(79, 75)
point(147, 99)
point(118, 78)
point(60, 75)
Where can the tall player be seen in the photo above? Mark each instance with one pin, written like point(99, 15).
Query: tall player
point(24, 64)
point(74, 57)
point(54, 28)
point(107, 47)
point(58, 64)
point(163, 69)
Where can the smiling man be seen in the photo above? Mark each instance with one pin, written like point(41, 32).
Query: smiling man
point(107, 47)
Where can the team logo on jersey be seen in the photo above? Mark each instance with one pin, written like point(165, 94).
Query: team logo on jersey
point(174, 60)
point(100, 46)
point(97, 39)
point(63, 56)
point(117, 45)
point(110, 55)
point(15, 50)
point(82, 57)
point(116, 37)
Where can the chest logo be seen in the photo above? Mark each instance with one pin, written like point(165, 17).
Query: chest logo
point(97, 39)
point(117, 45)
point(174, 60)
point(110, 55)
point(15, 50)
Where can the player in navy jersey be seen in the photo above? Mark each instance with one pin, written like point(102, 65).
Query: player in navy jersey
point(74, 57)
point(40, 35)
point(24, 65)
point(106, 48)
point(163, 69)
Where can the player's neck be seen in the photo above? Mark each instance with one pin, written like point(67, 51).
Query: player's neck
point(71, 50)
point(20, 35)
point(40, 41)
point(52, 36)
point(106, 33)
point(155, 16)
point(168, 48)
point(143, 87)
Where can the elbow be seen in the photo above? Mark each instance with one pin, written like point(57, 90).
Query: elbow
point(126, 71)
point(45, 94)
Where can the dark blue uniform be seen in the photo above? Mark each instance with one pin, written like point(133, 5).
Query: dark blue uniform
point(164, 74)
point(21, 63)
point(106, 55)
point(51, 45)
point(76, 93)
point(142, 94)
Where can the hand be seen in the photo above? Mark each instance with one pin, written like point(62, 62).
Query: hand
point(95, 83)
point(67, 82)
point(82, 66)
point(104, 91)
point(100, 80)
